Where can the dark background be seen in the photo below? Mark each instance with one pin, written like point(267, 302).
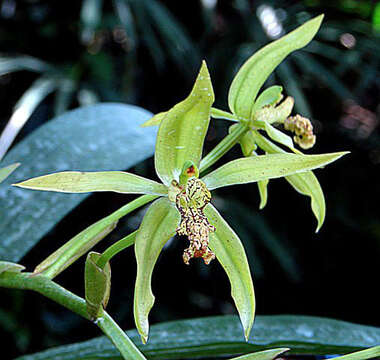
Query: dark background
point(137, 60)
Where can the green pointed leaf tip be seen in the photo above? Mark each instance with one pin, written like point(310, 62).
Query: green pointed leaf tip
point(82, 182)
point(97, 285)
point(182, 131)
point(6, 171)
point(263, 355)
point(229, 251)
point(158, 226)
point(258, 67)
point(255, 168)
point(221, 336)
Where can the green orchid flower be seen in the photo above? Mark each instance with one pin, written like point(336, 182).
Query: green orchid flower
point(184, 198)
point(184, 205)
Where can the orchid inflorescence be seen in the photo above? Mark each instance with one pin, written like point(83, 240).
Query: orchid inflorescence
point(184, 204)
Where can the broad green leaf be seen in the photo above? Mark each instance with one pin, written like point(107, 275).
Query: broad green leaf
point(221, 336)
point(269, 97)
point(67, 143)
point(258, 67)
point(97, 285)
point(305, 183)
point(262, 355)
point(263, 191)
point(230, 253)
point(82, 182)
point(263, 167)
point(9, 266)
point(155, 120)
point(181, 134)
point(24, 108)
point(158, 226)
point(371, 353)
point(6, 171)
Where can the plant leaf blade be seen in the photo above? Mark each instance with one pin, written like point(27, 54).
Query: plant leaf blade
point(221, 336)
point(7, 170)
point(63, 143)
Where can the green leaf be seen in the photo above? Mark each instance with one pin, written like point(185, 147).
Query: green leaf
point(6, 171)
point(371, 353)
point(255, 168)
point(230, 253)
point(269, 97)
point(24, 108)
point(305, 183)
point(67, 143)
point(9, 266)
point(82, 182)
point(257, 68)
point(221, 336)
point(182, 132)
point(158, 226)
point(263, 355)
point(155, 120)
point(97, 285)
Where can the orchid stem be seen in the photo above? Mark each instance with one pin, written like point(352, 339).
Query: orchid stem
point(224, 146)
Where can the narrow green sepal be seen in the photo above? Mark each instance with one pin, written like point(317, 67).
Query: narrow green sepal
point(97, 285)
point(229, 251)
point(158, 226)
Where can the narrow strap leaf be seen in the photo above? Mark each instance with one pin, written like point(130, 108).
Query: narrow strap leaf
point(255, 168)
point(230, 253)
point(82, 182)
point(158, 226)
point(263, 355)
point(182, 131)
point(257, 68)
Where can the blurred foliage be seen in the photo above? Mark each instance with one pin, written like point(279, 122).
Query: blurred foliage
point(55, 56)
